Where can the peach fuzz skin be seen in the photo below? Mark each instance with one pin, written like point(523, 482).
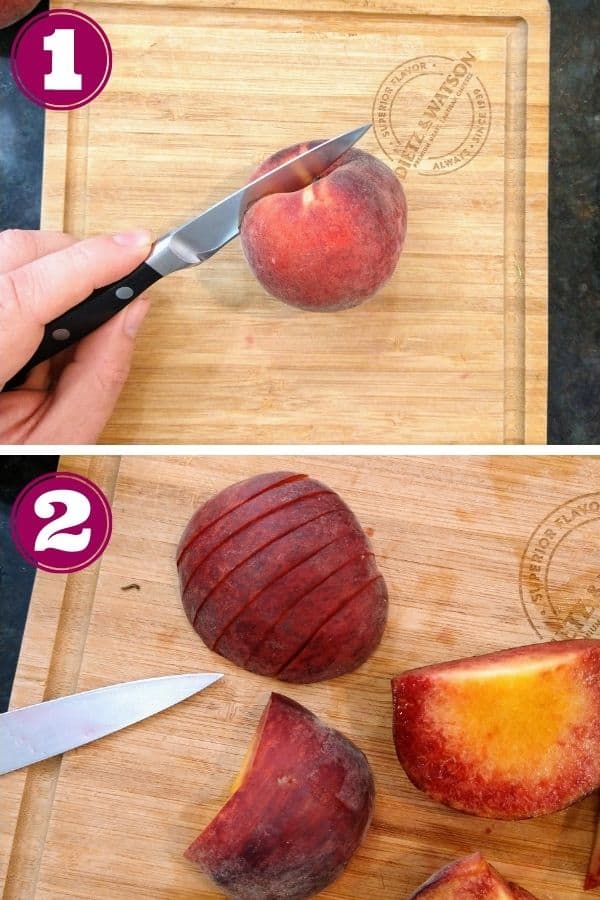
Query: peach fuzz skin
point(302, 809)
point(510, 735)
point(13, 10)
point(332, 244)
point(469, 878)
point(278, 576)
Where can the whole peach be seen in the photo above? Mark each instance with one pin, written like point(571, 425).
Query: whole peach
point(13, 10)
point(332, 244)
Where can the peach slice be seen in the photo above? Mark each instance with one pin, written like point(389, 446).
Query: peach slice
point(300, 810)
point(509, 735)
point(470, 878)
point(592, 879)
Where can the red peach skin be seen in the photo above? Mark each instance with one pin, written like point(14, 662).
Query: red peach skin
point(277, 575)
point(301, 811)
point(332, 244)
point(509, 735)
point(13, 10)
point(593, 875)
point(469, 878)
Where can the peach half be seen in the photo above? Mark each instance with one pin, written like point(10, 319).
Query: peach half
point(301, 809)
point(509, 735)
point(332, 244)
point(278, 576)
point(470, 878)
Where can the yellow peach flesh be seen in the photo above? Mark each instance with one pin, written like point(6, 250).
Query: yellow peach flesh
point(522, 714)
point(249, 755)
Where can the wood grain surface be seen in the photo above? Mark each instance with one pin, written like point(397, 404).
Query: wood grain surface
point(110, 821)
point(454, 348)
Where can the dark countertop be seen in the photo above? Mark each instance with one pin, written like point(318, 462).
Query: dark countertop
point(574, 403)
point(16, 575)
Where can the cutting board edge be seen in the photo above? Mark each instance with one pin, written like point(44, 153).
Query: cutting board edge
point(525, 424)
point(72, 463)
point(63, 604)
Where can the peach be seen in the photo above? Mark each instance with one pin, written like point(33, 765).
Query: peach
point(13, 10)
point(592, 879)
point(301, 810)
point(330, 245)
point(470, 877)
point(508, 735)
point(278, 576)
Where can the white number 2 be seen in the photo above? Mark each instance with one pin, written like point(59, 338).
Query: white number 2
point(62, 77)
point(77, 511)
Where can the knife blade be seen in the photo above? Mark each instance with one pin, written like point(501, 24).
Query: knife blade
point(188, 245)
point(33, 733)
point(200, 238)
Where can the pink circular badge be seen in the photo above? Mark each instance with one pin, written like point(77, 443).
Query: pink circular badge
point(61, 522)
point(61, 59)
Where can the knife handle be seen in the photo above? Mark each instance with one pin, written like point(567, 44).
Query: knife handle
point(101, 305)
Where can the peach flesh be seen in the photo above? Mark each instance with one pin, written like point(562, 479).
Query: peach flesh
point(333, 244)
point(509, 735)
point(300, 810)
point(470, 878)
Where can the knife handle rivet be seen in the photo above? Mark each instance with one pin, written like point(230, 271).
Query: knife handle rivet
point(124, 293)
point(61, 334)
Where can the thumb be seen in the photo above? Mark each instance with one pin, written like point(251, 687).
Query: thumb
point(89, 386)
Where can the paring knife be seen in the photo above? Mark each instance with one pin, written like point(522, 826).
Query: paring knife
point(190, 244)
point(37, 732)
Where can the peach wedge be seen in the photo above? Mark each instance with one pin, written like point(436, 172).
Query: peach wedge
point(470, 878)
point(302, 807)
point(509, 735)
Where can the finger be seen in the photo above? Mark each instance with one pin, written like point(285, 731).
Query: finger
point(89, 387)
point(45, 376)
point(34, 294)
point(39, 379)
point(19, 247)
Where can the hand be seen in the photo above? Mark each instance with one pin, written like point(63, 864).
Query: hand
point(68, 399)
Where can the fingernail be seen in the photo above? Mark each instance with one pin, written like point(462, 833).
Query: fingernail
point(137, 237)
point(135, 315)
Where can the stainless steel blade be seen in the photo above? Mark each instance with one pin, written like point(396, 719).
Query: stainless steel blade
point(37, 732)
point(201, 237)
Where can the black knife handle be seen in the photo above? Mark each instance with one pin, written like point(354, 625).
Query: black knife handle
point(101, 305)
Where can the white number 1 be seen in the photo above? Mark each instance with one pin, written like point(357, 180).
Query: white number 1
point(62, 77)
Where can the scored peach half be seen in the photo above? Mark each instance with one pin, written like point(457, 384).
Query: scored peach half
point(509, 735)
point(592, 879)
point(470, 878)
point(278, 576)
point(300, 809)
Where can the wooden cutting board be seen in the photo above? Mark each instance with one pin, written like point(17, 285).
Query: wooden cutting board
point(454, 348)
point(454, 538)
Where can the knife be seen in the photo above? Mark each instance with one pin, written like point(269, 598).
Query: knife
point(37, 732)
point(191, 243)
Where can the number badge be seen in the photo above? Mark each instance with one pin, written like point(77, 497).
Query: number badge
point(61, 59)
point(61, 522)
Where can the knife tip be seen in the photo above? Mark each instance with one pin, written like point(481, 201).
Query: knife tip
point(355, 135)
